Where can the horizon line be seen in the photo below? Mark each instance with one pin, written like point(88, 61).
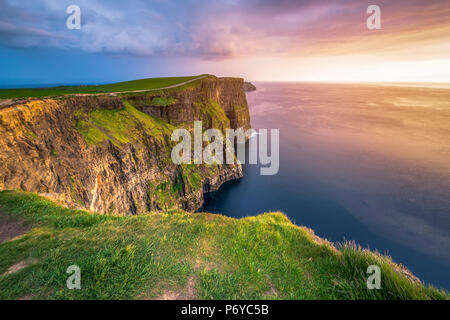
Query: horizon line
point(376, 82)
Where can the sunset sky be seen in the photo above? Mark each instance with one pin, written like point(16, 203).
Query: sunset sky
point(267, 40)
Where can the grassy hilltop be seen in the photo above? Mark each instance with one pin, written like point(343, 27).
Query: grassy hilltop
point(134, 85)
point(182, 255)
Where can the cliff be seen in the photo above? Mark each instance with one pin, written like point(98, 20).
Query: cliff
point(110, 153)
point(219, 102)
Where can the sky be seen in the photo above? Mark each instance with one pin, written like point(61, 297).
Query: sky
point(260, 40)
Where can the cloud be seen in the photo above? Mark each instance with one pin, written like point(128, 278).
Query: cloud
point(216, 30)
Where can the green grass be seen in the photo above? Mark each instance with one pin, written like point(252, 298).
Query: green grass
point(142, 84)
point(217, 257)
point(165, 194)
point(163, 102)
point(190, 174)
point(120, 126)
point(216, 114)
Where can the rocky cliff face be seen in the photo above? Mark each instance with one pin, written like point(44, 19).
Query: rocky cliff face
point(111, 154)
point(218, 102)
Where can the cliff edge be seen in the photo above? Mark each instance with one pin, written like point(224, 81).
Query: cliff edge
point(185, 256)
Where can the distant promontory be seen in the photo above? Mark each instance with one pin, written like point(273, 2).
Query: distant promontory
point(248, 86)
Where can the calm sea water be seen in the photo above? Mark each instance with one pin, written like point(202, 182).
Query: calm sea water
point(367, 163)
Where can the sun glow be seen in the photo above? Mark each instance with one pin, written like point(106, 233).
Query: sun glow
point(357, 70)
point(354, 68)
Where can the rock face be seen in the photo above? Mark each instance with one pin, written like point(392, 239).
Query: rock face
point(111, 154)
point(248, 86)
point(218, 102)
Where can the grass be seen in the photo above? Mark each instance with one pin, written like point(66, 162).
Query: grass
point(165, 194)
point(211, 256)
point(215, 113)
point(142, 84)
point(120, 126)
point(190, 174)
point(163, 102)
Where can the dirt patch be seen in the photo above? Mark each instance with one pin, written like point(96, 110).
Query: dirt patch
point(272, 292)
point(207, 256)
point(11, 228)
point(19, 266)
point(205, 265)
point(186, 293)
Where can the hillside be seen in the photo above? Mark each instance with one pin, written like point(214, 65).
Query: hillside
point(180, 255)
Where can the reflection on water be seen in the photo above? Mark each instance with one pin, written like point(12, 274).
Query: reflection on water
point(360, 162)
